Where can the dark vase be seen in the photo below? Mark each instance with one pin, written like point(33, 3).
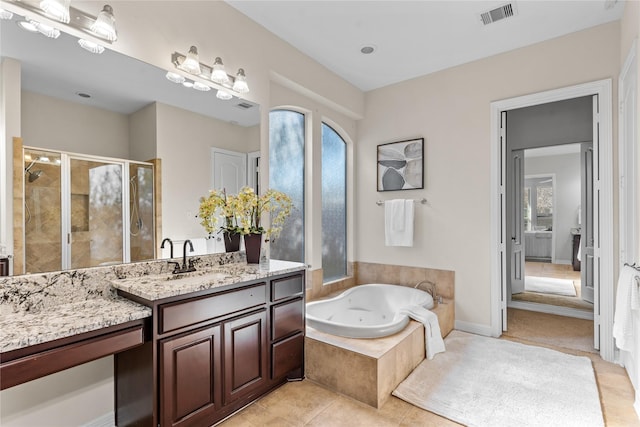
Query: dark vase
point(252, 244)
point(231, 241)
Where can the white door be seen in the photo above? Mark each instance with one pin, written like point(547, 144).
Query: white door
point(515, 169)
point(229, 173)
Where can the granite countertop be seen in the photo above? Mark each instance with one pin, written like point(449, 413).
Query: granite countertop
point(26, 328)
point(156, 287)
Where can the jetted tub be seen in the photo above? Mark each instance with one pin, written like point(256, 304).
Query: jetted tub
point(366, 311)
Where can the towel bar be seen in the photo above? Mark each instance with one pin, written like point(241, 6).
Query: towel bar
point(422, 201)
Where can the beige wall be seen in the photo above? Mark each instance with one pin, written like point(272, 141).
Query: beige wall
point(184, 142)
point(450, 109)
point(143, 134)
point(69, 126)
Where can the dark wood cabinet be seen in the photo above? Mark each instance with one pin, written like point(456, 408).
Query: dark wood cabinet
point(190, 377)
point(214, 352)
point(245, 348)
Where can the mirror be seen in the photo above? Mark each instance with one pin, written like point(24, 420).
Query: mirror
point(126, 91)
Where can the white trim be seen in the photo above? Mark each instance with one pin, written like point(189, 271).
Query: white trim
point(627, 178)
point(474, 328)
point(552, 309)
point(603, 89)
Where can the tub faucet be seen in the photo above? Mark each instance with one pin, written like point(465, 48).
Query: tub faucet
point(166, 239)
point(431, 289)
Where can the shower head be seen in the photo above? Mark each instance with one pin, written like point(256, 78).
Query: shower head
point(34, 175)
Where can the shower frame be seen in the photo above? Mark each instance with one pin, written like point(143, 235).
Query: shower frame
point(66, 193)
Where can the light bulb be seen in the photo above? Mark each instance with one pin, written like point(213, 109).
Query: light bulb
point(57, 9)
point(240, 84)
point(175, 77)
point(91, 46)
point(219, 75)
point(223, 94)
point(201, 87)
point(191, 63)
point(105, 24)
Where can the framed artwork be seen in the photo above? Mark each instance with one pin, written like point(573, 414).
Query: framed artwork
point(401, 165)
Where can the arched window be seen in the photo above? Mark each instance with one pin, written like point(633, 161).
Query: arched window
point(334, 205)
point(286, 174)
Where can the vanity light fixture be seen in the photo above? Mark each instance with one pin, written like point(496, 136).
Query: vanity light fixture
point(35, 26)
point(209, 73)
point(224, 95)
point(218, 74)
point(201, 87)
point(191, 63)
point(52, 16)
point(5, 14)
point(175, 77)
point(91, 46)
point(240, 84)
point(28, 26)
point(105, 24)
point(57, 9)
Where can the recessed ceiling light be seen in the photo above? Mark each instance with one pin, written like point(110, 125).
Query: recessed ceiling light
point(366, 50)
point(83, 95)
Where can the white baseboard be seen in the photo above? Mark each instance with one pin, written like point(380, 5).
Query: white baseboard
point(106, 420)
point(636, 404)
point(473, 328)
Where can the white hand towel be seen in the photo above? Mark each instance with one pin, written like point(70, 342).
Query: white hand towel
point(398, 222)
point(432, 335)
point(627, 297)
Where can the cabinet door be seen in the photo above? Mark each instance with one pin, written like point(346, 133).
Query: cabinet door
point(190, 377)
point(245, 355)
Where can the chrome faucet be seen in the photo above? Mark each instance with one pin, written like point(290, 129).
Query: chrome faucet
point(166, 239)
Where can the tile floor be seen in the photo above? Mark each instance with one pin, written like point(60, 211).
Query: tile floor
point(308, 404)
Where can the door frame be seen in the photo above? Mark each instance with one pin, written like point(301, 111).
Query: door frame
point(605, 251)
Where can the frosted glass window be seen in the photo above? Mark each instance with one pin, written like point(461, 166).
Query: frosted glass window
point(334, 205)
point(286, 174)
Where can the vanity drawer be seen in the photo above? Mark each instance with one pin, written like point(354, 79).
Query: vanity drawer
point(287, 355)
point(184, 313)
point(287, 318)
point(286, 287)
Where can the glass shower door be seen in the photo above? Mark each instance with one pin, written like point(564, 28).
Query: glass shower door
point(95, 235)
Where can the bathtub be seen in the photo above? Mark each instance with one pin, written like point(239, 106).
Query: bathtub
point(366, 311)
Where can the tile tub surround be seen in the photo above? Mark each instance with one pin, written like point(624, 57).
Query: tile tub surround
point(366, 272)
point(368, 370)
point(42, 307)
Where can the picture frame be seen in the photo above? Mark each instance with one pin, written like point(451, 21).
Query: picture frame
point(400, 165)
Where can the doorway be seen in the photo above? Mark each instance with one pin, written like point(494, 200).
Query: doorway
point(603, 220)
point(553, 188)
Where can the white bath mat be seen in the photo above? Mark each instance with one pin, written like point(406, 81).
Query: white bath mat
point(489, 382)
point(548, 285)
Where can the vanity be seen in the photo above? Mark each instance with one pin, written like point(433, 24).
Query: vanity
point(189, 349)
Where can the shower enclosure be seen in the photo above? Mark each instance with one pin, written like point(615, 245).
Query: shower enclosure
point(85, 211)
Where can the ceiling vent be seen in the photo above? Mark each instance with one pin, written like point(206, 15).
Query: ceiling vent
point(244, 105)
point(499, 13)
